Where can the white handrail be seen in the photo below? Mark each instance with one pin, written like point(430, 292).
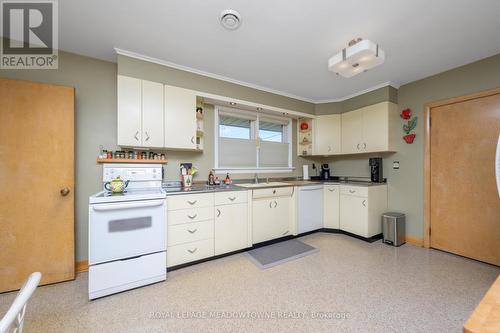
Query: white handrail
point(14, 318)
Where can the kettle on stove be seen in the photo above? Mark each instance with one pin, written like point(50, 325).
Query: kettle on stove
point(117, 185)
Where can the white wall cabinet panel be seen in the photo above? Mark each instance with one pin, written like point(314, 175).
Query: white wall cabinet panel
point(327, 134)
point(331, 206)
point(152, 114)
point(180, 118)
point(370, 129)
point(352, 131)
point(129, 127)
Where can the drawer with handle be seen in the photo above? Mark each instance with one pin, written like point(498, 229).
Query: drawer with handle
point(359, 191)
point(273, 192)
point(189, 232)
point(225, 198)
point(185, 201)
point(189, 215)
point(184, 253)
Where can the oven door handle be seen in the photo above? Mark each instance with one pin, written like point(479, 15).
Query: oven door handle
point(126, 205)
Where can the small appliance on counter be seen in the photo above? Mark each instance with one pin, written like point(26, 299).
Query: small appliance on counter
point(305, 172)
point(325, 172)
point(376, 170)
point(127, 230)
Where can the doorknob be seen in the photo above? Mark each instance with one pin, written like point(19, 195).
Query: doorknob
point(65, 191)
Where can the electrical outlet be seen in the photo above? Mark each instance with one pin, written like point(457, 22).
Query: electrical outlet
point(395, 165)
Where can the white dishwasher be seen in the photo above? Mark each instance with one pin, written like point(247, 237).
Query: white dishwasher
point(310, 208)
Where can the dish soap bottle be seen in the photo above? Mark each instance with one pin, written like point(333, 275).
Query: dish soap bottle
point(227, 181)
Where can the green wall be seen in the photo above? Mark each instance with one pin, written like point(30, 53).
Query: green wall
point(406, 184)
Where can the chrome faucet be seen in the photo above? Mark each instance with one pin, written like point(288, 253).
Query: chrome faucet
point(256, 178)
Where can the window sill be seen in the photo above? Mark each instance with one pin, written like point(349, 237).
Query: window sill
point(253, 170)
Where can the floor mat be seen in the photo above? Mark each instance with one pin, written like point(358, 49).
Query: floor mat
point(279, 253)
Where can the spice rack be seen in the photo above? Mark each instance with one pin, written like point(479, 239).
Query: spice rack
point(130, 160)
point(304, 137)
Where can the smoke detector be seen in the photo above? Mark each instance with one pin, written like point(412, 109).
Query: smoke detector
point(230, 19)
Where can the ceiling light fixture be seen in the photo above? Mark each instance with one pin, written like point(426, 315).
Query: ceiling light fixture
point(360, 56)
point(230, 19)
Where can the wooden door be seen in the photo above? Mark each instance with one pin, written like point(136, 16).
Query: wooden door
point(180, 118)
point(129, 127)
point(230, 228)
point(327, 135)
point(352, 131)
point(464, 203)
point(376, 127)
point(331, 205)
point(152, 114)
point(37, 182)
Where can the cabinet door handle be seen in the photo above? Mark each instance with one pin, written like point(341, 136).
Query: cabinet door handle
point(192, 202)
point(135, 136)
point(192, 139)
point(232, 198)
point(364, 203)
point(270, 204)
point(364, 145)
point(218, 212)
point(331, 189)
point(193, 251)
point(192, 216)
point(275, 204)
point(147, 135)
point(352, 191)
point(285, 232)
point(192, 231)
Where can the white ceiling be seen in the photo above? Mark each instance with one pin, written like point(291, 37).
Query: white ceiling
point(283, 45)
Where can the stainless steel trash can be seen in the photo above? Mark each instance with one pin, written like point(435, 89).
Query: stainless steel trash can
point(393, 228)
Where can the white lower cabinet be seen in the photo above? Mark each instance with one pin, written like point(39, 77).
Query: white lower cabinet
point(271, 218)
point(231, 227)
point(198, 229)
point(361, 209)
point(184, 253)
point(331, 206)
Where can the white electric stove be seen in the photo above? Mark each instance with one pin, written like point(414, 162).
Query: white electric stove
point(127, 231)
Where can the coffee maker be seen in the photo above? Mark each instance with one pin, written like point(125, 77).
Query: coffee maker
point(376, 169)
point(325, 172)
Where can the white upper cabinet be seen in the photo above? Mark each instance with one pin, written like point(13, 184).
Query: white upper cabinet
point(140, 112)
point(129, 111)
point(327, 134)
point(370, 129)
point(180, 118)
point(152, 114)
point(352, 131)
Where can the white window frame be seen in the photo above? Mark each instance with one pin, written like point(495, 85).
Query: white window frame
point(287, 135)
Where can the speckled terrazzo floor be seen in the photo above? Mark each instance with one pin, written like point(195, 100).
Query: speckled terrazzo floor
point(349, 286)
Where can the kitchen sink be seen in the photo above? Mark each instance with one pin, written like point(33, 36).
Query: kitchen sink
point(270, 184)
